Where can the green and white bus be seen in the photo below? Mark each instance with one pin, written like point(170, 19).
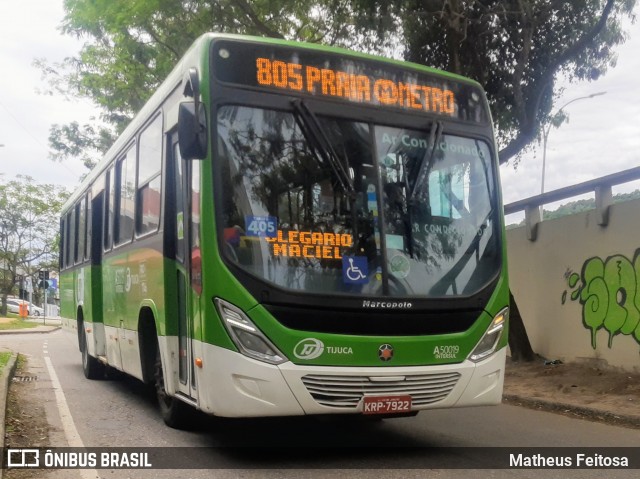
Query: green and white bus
point(292, 229)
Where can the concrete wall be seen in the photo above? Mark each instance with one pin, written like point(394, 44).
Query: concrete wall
point(579, 278)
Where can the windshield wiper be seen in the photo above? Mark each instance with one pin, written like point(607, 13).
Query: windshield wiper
point(449, 279)
point(315, 134)
point(435, 134)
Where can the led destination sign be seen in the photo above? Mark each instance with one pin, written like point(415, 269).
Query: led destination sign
point(349, 86)
point(301, 71)
point(308, 244)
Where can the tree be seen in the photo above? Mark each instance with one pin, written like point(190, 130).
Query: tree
point(133, 45)
point(84, 142)
point(29, 224)
point(517, 49)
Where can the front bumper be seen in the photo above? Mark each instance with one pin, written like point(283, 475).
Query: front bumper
point(232, 385)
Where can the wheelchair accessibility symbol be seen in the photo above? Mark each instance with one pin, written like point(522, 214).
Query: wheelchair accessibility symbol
point(355, 269)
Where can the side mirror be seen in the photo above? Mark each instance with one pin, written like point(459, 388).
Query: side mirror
point(192, 131)
point(192, 120)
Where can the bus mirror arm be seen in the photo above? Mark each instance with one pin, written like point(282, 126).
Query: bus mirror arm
point(192, 120)
point(192, 86)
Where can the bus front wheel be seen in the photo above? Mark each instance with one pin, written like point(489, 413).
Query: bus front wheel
point(175, 413)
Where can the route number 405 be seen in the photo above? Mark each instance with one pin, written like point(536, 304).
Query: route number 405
point(261, 226)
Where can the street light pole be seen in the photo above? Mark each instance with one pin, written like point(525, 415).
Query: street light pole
point(547, 130)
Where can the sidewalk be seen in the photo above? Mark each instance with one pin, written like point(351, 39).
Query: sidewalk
point(45, 325)
point(588, 389)
point(6, 373)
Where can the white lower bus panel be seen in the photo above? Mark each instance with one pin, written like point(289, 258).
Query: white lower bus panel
point(232, 385)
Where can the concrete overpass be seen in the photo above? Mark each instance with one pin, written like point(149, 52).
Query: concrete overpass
point(576, 279)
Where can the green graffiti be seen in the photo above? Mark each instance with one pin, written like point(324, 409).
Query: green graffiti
point(573, 280)
point(609, 292)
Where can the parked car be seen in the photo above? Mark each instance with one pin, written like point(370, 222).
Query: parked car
point(35, 310)
point(13, 305)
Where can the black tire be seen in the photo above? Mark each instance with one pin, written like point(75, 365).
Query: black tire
point(92, 368)
point(175, 413)
point(113, 374)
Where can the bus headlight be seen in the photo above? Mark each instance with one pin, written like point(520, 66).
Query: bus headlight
point(246, 336)
point(487, 345)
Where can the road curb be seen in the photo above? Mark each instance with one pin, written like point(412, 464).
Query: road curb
point(31, 330)
point(590, 413)
point(5, 380)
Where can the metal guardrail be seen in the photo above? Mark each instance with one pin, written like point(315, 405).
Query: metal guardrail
point(601, 187)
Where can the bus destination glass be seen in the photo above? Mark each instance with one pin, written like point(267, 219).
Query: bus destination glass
point(314, 73)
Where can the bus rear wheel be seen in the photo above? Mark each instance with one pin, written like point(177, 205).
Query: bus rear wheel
point(175, 413)
point(92, 368)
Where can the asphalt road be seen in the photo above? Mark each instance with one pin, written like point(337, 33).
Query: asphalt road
point(122, 413)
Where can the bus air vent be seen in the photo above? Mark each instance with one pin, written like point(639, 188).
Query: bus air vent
point(345, 392)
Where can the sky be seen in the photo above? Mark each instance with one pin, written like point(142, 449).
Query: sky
point(29, 30)
point(601, 137)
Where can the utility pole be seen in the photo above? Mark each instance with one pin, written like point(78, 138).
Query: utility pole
point(43, 277)
point(547, 130)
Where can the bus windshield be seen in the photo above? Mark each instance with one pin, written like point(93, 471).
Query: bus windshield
point(386, 211)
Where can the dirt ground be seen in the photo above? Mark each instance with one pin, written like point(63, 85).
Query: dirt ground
point(26, 423)
point(593, 391)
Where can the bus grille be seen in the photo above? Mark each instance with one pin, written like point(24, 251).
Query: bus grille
point(347, 391)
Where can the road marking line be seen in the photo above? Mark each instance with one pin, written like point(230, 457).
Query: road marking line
point(69, 427)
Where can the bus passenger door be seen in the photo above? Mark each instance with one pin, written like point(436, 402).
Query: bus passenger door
point(95, 251)
point(181, 193)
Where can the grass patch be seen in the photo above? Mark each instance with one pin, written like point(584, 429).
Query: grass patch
point(21, 362)
point(17, 324)
point(4, 359)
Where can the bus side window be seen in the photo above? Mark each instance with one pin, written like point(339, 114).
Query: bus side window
point(196, 260)
point(109, 210)
point(63, 244)
point(87, 245)
point(68, 258)
point(149, 178)
point(125, 197)
point(81, 224)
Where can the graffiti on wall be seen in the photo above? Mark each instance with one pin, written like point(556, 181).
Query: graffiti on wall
point(609, 292)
